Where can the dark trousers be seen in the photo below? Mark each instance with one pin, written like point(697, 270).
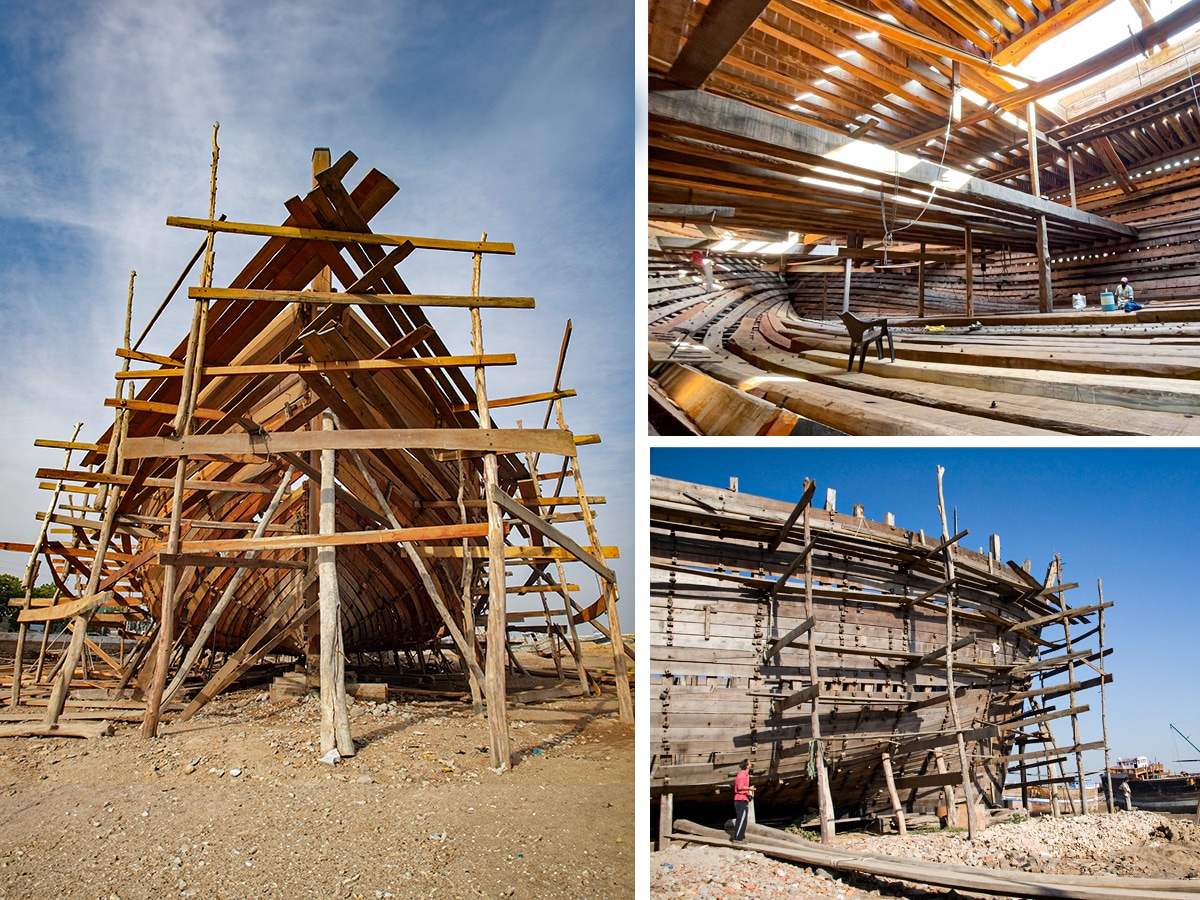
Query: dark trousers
point(741, 813)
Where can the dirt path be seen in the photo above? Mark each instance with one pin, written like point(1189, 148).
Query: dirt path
point(236, 804)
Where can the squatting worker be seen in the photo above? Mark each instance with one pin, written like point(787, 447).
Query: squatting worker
point(742, 792)
point(1124, 292)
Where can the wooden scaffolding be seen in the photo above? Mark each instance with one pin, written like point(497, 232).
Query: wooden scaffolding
point(310, 471)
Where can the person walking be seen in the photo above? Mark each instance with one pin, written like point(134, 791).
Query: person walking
point(742, 792)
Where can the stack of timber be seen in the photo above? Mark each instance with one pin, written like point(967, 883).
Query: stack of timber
point(1082, 372)
point(313, 438)
point(818, 645)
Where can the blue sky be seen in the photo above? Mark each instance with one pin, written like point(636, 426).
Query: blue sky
point(516, 119)
point(1125, 516)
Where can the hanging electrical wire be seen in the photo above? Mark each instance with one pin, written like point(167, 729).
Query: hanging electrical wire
point(889, 231)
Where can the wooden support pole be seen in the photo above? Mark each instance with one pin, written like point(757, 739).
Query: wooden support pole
point(939, 762)
point(1035, 182)
point(921, 284)
point(497, 628)
point(824, 796)
point(666, 819)
point(335, 718)
point(1045, 296)
point(468, 599)
point(625, 711)
point(968, 794)
point(846, 289)
point(969, 265)
point(1071, 176)
point(1071, 679)
point(897, 809)
point(1103, 708)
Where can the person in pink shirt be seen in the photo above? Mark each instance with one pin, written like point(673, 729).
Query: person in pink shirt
point(742, 792)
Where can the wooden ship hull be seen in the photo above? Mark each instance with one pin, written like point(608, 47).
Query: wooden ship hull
point(748, 603)
point(313, 444)
point(1169, 794)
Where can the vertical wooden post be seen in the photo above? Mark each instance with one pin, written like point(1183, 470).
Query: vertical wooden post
point(895, 798)
point(1045, 301)
point(182, 425)
point(1024, 777)
point(1071, 176)
point(321, 282)
point(1045, 295)
point(1035, 178)
point(620, 670)
point(846, 289)
point(497, 628)
point(1103, 708)
point(939, 762)
point(1071, 680)
point(824, 797)
point(948, 556)
point(335, 719)
point(921, 283)
point(666, 819)
point(166, 615)
point(969, 264)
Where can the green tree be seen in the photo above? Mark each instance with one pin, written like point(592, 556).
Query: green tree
point(10, 587)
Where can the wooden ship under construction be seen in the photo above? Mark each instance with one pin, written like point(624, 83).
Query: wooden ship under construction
point(864, 670)
point(310, 472)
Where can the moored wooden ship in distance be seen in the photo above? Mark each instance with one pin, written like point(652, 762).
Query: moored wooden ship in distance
point(818, 644)
point(1154, 789)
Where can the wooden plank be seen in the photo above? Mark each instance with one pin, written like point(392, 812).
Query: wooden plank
point(73, 729)
point(543, 695)
point(923, 744)
point(1049, 692)
point(932, 592)
point(323, 368)
point(341, 539)
point(494, 440)
point(327, 297)
point(940, 779)
point(796, 563)
point(82, 606)
point(1052, 751)
point(721, 26)
point(520, 513)
point(941, 651)
point(241, 487)
point(167, 409)
point(786, 528)
point(71, 445)
point(1058, 616)
point(340, 237)
point(522, 400)
point(787, 639)
point(229, 562)
point(530, 554)
point(797, 697)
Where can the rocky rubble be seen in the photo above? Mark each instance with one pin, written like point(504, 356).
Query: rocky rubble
point(1137, 844)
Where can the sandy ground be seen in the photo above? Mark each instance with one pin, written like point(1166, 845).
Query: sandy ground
point(235, 803)
point(1127, 844)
